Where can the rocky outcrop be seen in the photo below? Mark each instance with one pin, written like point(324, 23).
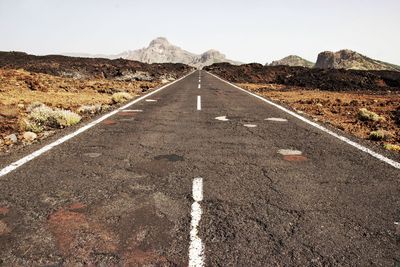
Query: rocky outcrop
point(348, 59)
point(162, 51)
point(292, 60)
point(309, 78)
point(89, 68)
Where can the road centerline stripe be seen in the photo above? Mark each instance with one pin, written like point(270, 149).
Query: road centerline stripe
point(199, 86)
point(198, 102)
point(196, 247)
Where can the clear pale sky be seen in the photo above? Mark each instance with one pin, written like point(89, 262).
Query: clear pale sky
point(248, 31)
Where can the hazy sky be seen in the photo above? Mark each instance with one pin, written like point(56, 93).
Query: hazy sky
point(245, 30)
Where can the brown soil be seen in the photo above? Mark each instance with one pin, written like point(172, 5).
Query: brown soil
point(16, 93)
point(339, 109)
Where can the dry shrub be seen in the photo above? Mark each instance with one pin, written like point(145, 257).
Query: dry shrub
point(121, 97)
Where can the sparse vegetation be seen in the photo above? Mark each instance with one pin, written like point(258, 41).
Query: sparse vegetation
point(43, 117)
point(379, 135)
point(392, 147)
point(89, 109)
point(65, 118)
point(366, 115)
point(121, 97)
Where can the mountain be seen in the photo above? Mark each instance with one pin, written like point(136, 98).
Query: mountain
point(162, 51)
point(292, 60)
point(348, 59)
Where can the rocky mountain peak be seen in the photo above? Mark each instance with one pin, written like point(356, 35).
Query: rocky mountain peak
point(348, 59)
point(212, 53)
point(160, 41)
point(292, 60)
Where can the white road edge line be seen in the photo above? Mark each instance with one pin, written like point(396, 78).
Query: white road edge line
point(46, 148)
point(196, 247)
point(322, 128)
point(198, 102)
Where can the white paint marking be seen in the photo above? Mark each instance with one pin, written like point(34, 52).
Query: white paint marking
point(250, 125)
point(397, 223)
point(316, 125)
point(197, 190)
point(151, 100)
point(196, 247)
point(222, 118)
point(276, 119)
point(199, 81)
point(289, 152)
point(199, 86)
point(132, 110)
point(198, 102)
point(46, 148)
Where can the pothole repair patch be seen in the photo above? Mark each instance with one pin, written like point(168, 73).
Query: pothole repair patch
point(169, 157)
point(294, 158)
point(292, 155)
point(222, 118)
point(109, 122)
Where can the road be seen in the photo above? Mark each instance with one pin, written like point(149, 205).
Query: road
point(201, 173)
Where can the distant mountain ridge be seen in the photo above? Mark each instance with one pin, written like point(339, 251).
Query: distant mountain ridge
point(343, 59)
point(160, 50)
point(292, 60)
point(348, 59)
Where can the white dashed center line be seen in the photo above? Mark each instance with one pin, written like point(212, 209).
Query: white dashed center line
point(289, 152)
point(250, 125)
point(276, 119)
point(151, 100)
point(222, 118)
point(196, 248)
point(199, 86)
point(198, 102)
point(132, 110)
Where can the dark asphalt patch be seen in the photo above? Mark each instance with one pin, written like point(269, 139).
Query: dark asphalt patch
point(169, 157)
point(3, 210)
point(109, 122)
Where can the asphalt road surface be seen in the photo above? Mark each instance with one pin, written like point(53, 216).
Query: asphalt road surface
point(165, 183)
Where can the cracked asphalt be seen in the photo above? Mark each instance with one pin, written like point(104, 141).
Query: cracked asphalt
point(121, 192)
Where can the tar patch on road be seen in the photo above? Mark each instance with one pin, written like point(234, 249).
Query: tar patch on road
point(169, 157)
point(294, 158)
point(109, 122)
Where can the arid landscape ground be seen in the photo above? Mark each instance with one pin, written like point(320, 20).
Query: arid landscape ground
point(278, 190)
